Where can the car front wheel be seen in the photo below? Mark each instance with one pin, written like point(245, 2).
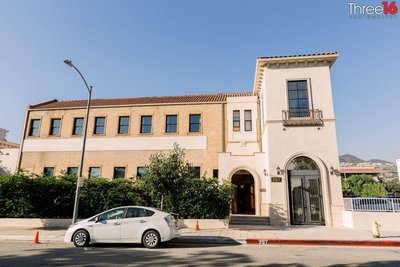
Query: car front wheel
point(151, 239)
point(81, 238)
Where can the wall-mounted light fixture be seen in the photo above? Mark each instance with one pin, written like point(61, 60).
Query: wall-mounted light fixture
point(334, 171)
point(265, 172)
point(278, 171)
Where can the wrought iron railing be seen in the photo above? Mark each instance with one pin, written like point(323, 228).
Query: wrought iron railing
point(372, 204)
point(300, 117)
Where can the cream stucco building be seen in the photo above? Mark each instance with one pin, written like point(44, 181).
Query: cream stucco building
point(398, 168)
point(8, 154)
point(277, 144)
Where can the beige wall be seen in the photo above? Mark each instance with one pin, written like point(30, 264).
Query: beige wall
point(136, 143)
point(107, 160)
point(8, 160)
point(203, 147)
point(275, 89)
point(210, 113)
point(389, 221)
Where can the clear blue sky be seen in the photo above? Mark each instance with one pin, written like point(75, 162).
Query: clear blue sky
point(146, 48)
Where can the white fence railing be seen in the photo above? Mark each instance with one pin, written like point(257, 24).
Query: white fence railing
point(372, 204)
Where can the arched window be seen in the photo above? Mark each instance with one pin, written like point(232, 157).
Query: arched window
point(302, 163)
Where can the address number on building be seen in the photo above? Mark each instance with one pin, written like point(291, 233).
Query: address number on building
point(276, 179)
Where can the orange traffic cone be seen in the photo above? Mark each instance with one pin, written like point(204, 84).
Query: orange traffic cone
point(36, 239)
point(196, 228)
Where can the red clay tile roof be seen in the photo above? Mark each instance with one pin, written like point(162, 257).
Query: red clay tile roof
point(359, 170)
point(305, 55)
point(206, 98)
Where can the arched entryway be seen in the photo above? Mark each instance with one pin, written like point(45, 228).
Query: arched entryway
point(306, 205)
point(244, 197)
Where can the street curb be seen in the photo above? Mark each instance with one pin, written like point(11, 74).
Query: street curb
point(208, 240)
point(311, 242)
point(181, 240)
point(30, 238)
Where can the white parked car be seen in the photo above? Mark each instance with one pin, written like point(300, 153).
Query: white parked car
point(130, 224)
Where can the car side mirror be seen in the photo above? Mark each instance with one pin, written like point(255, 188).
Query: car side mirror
point(98, 218)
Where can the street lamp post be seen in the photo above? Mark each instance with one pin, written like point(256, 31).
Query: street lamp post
point(78, 182)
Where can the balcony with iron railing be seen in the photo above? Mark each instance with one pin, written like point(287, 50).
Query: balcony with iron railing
point(302, 117)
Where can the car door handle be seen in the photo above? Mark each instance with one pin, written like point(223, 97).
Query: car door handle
point(117, 223)
point(143, 221)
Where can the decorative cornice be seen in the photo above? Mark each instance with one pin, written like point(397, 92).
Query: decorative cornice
point(7, 144)
point(293, 61)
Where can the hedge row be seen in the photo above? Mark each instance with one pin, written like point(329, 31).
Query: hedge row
point(28, 196)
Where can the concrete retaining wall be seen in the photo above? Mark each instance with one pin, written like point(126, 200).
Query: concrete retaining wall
point(35, 223)
point(204, 223)
point(64, 223)
point(389, 221)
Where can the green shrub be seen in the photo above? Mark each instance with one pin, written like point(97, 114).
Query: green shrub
point(16, 196)
point(205, 198)
point(24, 195)
point(28, 195)
point(97, 195)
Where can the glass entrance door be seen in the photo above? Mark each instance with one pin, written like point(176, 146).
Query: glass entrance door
point(306, 197)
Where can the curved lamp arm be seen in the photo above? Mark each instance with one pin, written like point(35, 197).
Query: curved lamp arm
point(69, 63)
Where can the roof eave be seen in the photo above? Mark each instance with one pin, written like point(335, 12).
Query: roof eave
point(261, 62)
point(331, 58)
point(127, 105)
point(43, 103)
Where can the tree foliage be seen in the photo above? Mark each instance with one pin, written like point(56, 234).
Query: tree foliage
point(363, 186)
point(167, 175)
point(173, 185)
point(393, 188)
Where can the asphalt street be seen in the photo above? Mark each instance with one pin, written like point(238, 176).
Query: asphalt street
point(16, 253)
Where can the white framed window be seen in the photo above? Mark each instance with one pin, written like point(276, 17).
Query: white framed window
point(247, 121)
point(236, 120)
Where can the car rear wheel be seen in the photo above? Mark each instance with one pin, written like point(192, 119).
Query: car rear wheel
point(151, 239)
point(81, 238)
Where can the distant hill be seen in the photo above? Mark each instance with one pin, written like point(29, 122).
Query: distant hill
point(348, 158)
point(379, 161)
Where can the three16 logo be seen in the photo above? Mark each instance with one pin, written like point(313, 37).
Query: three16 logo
point(389, 8)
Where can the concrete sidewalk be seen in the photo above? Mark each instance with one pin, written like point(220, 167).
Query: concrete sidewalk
point(301, 235)
point(291, 235)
